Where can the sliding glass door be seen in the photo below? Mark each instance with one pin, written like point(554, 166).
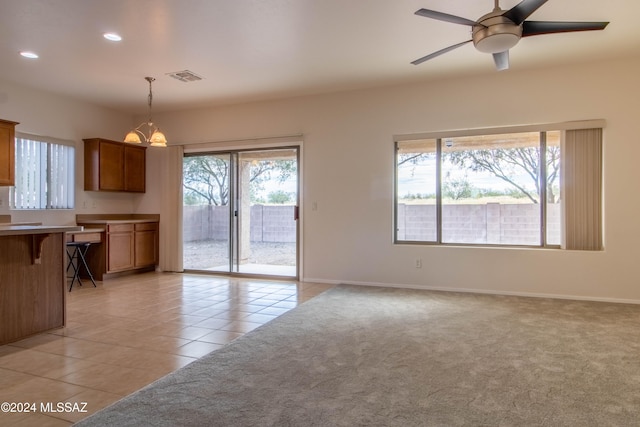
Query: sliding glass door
point(240, 212)
point(207, 210)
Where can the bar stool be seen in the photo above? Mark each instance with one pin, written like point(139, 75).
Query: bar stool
point(76, 252)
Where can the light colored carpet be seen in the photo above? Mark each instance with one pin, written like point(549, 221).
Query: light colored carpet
point(366, 356)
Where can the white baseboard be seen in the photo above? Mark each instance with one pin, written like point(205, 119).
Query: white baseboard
point(476, 291)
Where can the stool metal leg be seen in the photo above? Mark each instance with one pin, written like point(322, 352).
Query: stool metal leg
point(81, 255)
point(76, 252)
point(73, 263)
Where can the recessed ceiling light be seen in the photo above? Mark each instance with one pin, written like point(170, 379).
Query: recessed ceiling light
point(29, 55)
point(112, 37)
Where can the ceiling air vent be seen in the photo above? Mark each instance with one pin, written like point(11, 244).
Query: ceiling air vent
point(185, 76)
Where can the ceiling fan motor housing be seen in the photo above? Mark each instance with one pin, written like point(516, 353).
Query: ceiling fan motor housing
point(494, 33)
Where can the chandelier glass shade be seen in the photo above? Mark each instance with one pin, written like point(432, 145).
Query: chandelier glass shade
point(147, 131)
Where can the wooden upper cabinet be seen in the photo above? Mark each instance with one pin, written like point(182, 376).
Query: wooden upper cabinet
point(7, 152)
point(113, 166)
point(134, 169)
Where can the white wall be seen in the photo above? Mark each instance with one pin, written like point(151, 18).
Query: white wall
point(47, 114)
point(348, 172)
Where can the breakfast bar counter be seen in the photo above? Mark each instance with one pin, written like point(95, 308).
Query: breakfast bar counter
point(32, 279)
point(29, 229)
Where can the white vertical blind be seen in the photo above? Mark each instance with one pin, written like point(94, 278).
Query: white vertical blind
point(60, 194)
point(582, 189)
point(44, 175)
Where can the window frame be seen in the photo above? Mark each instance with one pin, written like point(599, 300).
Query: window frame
point(45, 175)
point(441, 135)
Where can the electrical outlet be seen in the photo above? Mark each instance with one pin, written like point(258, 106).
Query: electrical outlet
point(418, 262)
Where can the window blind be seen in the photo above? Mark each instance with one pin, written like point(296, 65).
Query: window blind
point(44, 175)
point(582, 187)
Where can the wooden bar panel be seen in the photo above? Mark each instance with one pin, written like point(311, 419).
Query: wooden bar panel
point(32, 296)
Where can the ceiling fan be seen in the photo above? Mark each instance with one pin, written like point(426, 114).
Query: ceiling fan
point(500, 30)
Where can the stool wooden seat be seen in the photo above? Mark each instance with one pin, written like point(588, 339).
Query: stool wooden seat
point(76, 252)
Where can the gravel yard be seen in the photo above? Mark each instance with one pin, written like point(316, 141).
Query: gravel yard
point(204, 254)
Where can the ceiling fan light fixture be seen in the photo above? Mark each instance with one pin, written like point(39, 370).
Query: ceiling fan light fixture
point(495, 33)
point(496, 43)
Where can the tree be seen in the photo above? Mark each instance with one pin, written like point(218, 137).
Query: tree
point(506, 163)
point(279, 197)
point(413, 158)
point(206, 178)
point(264, 170)
point(457, 189)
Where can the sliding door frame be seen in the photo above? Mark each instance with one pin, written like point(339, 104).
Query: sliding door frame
point(235, 212)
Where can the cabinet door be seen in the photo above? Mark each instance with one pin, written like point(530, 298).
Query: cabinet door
point(134, 169)
point(7, 150)
point(111, 166)
point(120, 252)
point(145, 252)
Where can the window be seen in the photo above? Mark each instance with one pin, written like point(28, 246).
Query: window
point(44, 175)
point(497, 189)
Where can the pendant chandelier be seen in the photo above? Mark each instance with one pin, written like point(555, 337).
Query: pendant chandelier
point(153, 136)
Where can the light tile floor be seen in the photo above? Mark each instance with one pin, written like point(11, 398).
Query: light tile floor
point(127, 333)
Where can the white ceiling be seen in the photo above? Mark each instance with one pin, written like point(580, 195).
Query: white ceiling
point(249, 50)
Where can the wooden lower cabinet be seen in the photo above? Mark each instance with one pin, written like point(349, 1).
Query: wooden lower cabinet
point(127, 247)
point(120, 247)
point(145, 240)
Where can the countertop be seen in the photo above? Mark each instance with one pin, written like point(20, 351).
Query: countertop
point(105, 219)
point(116, 221)
point(17, 230)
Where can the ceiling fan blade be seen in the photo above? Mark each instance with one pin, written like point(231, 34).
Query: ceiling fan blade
point(534, 28)
point(523, 10)
point(444, 17)
point(438, 53)
point(501, 59)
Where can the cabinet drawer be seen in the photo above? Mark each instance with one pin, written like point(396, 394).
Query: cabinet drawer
point(85, 237)
point(147, 226)
point(117, 228)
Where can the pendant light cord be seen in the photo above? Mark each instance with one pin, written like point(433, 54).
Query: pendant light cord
point(150, 79)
